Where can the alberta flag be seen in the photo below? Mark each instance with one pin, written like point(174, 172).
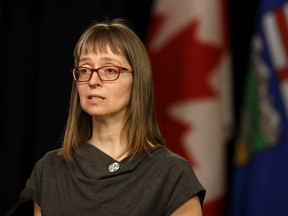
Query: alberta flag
point(189, 50)
point(260, 176)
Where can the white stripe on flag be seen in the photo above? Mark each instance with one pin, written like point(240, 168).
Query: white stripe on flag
point(277, 49)
point(274, 41)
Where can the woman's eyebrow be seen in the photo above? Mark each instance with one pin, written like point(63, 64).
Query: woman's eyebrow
point(110, 59)
point(84, 59)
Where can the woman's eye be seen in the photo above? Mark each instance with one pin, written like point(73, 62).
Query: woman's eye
point(83, 70)
point(111, 70)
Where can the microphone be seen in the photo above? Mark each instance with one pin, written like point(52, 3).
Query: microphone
point(25, 196)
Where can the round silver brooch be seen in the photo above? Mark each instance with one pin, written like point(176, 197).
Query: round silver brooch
point(114, 167)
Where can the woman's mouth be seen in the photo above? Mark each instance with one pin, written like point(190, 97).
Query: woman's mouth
point(95, 97)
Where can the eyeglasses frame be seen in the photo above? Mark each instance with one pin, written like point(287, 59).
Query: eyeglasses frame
point(120, 68)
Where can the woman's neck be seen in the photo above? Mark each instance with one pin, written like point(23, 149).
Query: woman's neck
point(107, 138)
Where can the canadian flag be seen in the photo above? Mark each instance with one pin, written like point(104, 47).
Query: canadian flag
point(188, 47)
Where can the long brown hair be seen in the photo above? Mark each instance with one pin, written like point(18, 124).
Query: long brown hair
point(140, 128)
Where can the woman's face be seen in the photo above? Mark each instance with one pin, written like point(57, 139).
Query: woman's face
point(105, 99)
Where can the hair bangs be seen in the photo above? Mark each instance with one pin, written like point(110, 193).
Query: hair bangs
point(98, 42)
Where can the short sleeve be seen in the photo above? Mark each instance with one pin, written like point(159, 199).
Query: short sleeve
point(42, 178)
point(185, 186)
point(34, 181)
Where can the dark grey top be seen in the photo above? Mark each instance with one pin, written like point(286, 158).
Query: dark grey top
point(150, 184)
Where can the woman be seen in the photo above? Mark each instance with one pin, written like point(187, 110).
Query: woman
point(113, 160)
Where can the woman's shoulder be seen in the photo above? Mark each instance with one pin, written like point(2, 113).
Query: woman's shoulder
point(165, 153)
point(169, 158)
point(53, 156)
point(54, 153)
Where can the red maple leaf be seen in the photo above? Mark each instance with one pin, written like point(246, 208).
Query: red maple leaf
point(181, 72)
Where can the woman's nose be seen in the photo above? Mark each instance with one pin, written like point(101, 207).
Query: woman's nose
point(95, 79)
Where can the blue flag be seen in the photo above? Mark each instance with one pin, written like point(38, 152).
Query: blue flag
point(260, 174)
